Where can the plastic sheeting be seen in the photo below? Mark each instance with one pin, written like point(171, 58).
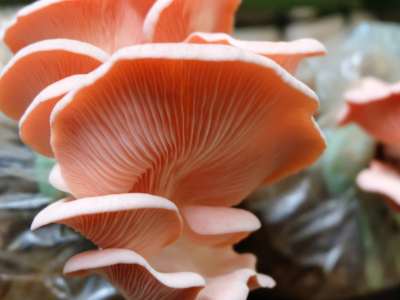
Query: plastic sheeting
point(31, 263)
point(331, 240)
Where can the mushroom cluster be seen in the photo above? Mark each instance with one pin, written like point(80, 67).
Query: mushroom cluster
point(160, 123)
point(375, 106)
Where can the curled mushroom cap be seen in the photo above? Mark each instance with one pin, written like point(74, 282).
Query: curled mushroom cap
point(56, 179)
point(133, 276)
point(37, 66)
point(195, 124)
point(382, 179)
point(234, 286)
point(375, 106)
point(208, 261)
point(228, 275)
point(106, 24)
point(142, 223)
point(217, 226)
point(287, 54)
point(172, 21)
point(35, 123)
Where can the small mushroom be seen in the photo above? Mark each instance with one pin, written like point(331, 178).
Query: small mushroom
point(217, 226)
point(172, 21)
point(133, 276)
point(138, 222)
point(35, 123)
point(195, 124)
point(287, 54)
point(375, 106)
point(106, 24)
point(37, 66)
point(382, 179)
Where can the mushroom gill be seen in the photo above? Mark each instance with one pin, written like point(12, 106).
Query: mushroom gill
point(195, 124)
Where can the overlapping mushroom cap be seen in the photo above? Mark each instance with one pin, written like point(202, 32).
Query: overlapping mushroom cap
point(88, 31)
point(158, 141)
point(111, 25)
point(195, 124)
point(375, 106)
point(199, 125)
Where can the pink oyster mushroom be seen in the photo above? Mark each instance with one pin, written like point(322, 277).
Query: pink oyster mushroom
point(159, 141)
point(111, 25)
point(375, 106)
point(90, 31)
point(198, 125)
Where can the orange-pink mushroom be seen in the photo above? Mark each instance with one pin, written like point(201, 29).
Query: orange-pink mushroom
point(134, 277)
point(208, 261)
point(35, 123)
point(217, 226)
point(195, 124)
point(228, 275)
point(138, 222)
point(375, 106)
point(106, 24)
point(383, 179)
point(37, 66)
point(287, 54)
point(172, 21)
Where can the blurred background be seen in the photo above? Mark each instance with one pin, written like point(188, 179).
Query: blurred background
point(322, 238)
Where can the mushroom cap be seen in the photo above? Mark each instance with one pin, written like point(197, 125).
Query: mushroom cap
point(287, 54)
point(37, 66)
point(106, 24)
point(196, 124)
point(234, 286)
point(228, 275)
point(56, 179)
point(34, 125)
point(133, 276)
point(375, 106)
point(208, 261)
point(382, 179)
point(217, 226)
point(172, 21)
point(138, 222)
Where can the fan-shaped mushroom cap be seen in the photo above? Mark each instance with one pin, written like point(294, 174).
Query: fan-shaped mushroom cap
point(196, 124)
point(133, 276)
point(107, 24)
point(287, 54)
point(382, 179)
point(57, 181)
point(234, 286)
point(35, 123)
point(217, 226)
point(139, 222)
point(39, 65)
point(172, 21)
point(375, 106)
